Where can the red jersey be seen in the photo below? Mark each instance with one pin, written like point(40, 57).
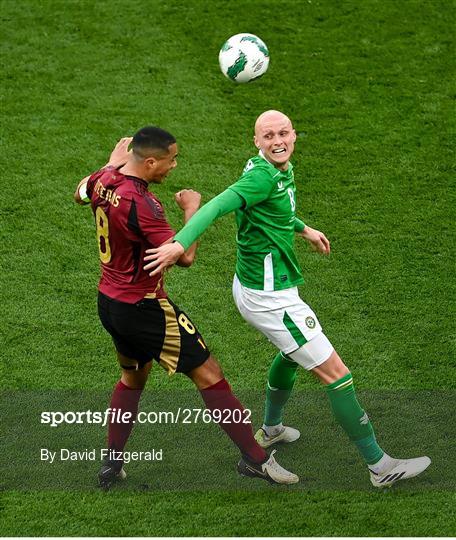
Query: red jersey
point(129, 220)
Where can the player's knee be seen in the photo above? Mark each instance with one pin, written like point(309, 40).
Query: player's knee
point(331, 370)
point(207, 374)
point(134, 380)
point(214, 366)
point(314, 353)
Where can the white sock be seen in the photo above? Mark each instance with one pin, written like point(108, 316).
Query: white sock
point(271, 431)
point(382, 465)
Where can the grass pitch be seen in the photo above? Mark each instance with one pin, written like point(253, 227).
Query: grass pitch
point(370, 88)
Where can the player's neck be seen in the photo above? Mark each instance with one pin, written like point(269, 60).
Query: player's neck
point(281, 166)
point(130, 170)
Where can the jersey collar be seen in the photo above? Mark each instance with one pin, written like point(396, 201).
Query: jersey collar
point(290, 166)
point(136, 179)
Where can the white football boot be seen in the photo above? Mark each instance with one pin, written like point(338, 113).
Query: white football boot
point(286, 435)
point(399, 469)
point(270, 471)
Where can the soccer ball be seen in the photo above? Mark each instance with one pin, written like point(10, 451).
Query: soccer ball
point(244, 57)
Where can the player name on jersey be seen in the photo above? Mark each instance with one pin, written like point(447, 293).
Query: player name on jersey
point(107, 194)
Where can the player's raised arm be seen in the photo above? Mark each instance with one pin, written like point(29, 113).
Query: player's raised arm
point(118, 157)
point(80, 195)
point(189, 201)
point(158, 259)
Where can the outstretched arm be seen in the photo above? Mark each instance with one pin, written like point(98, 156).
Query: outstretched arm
point(299, 225)
point(167, 254)
point(118, 157)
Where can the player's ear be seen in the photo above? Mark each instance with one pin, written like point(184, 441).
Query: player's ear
point(150, 161)
point(294, 135)
point(255, 142)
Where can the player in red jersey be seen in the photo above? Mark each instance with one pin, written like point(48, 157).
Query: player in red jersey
point(134, 308)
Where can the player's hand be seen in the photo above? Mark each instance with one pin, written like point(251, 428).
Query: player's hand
point(162, 257)
point(119, 156)
point(188, 199)
point(317, 240)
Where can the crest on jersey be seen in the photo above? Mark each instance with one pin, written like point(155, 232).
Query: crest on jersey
point(249, 165)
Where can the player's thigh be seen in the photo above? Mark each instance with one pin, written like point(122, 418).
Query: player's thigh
point(314, 353)
point(282, 316)
point(183, 348)
point(319, 356)
point(131, 331)
point(134, 373)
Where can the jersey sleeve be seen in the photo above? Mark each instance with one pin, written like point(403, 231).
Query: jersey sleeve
point(147, 215)
point(222, 204)
point(91, 182)
point(299, 225)
point(254, 186)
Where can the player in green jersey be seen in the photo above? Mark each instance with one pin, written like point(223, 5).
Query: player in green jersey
point(265, 292)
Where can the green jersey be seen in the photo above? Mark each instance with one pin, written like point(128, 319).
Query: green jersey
point(266, 227)
point(265, 203)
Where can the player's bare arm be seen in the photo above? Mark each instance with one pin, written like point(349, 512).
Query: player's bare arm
point(118, 157)
point(162, 257)
point(317, 240)
point(189, 201)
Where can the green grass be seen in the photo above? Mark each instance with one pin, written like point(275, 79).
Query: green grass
point(370, 88)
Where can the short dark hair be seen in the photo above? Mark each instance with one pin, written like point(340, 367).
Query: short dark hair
point(151, 138)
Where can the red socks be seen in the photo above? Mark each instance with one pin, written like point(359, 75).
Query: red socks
point(219, 396)
point(126, 399)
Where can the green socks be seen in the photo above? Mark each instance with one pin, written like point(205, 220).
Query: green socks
point(282, 376)
point(353, 419)
point(346, 409)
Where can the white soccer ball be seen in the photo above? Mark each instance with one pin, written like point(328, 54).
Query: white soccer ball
point(244, 57)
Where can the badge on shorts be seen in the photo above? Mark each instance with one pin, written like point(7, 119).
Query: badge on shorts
point(310, 322)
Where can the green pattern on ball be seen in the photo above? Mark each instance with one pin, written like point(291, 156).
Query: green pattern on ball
point(238, 66)
point(226, 46)
point(258, 43)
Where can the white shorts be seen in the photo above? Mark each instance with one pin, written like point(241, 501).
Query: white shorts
point(287, 321)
